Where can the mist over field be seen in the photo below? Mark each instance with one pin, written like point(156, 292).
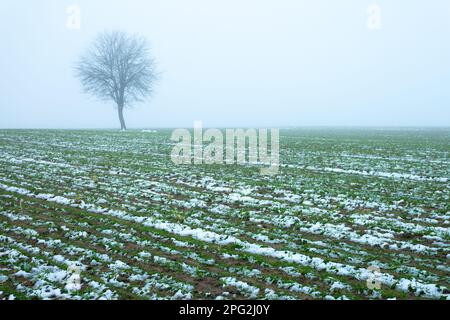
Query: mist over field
point(235, 63)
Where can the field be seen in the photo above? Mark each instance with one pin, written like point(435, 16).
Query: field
point(346, 201)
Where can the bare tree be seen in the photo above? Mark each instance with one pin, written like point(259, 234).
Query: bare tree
point(118, 67)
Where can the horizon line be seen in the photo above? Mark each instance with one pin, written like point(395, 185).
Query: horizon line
point(245, 127)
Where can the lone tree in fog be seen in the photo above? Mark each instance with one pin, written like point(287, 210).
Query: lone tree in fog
point(118, 67)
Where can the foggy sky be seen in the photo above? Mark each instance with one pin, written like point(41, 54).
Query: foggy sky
point(235, 63)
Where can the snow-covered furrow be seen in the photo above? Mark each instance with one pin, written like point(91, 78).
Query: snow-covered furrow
point(425, 289)
point(83, 252)
point(369, 173)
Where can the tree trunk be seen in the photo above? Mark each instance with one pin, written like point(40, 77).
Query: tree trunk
point(122, 120)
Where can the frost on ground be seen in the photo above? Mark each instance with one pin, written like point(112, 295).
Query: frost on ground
point(107, 215)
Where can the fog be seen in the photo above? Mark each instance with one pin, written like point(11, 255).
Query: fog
point(235, 63)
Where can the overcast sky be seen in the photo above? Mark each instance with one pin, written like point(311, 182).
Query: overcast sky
point(234, 63)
